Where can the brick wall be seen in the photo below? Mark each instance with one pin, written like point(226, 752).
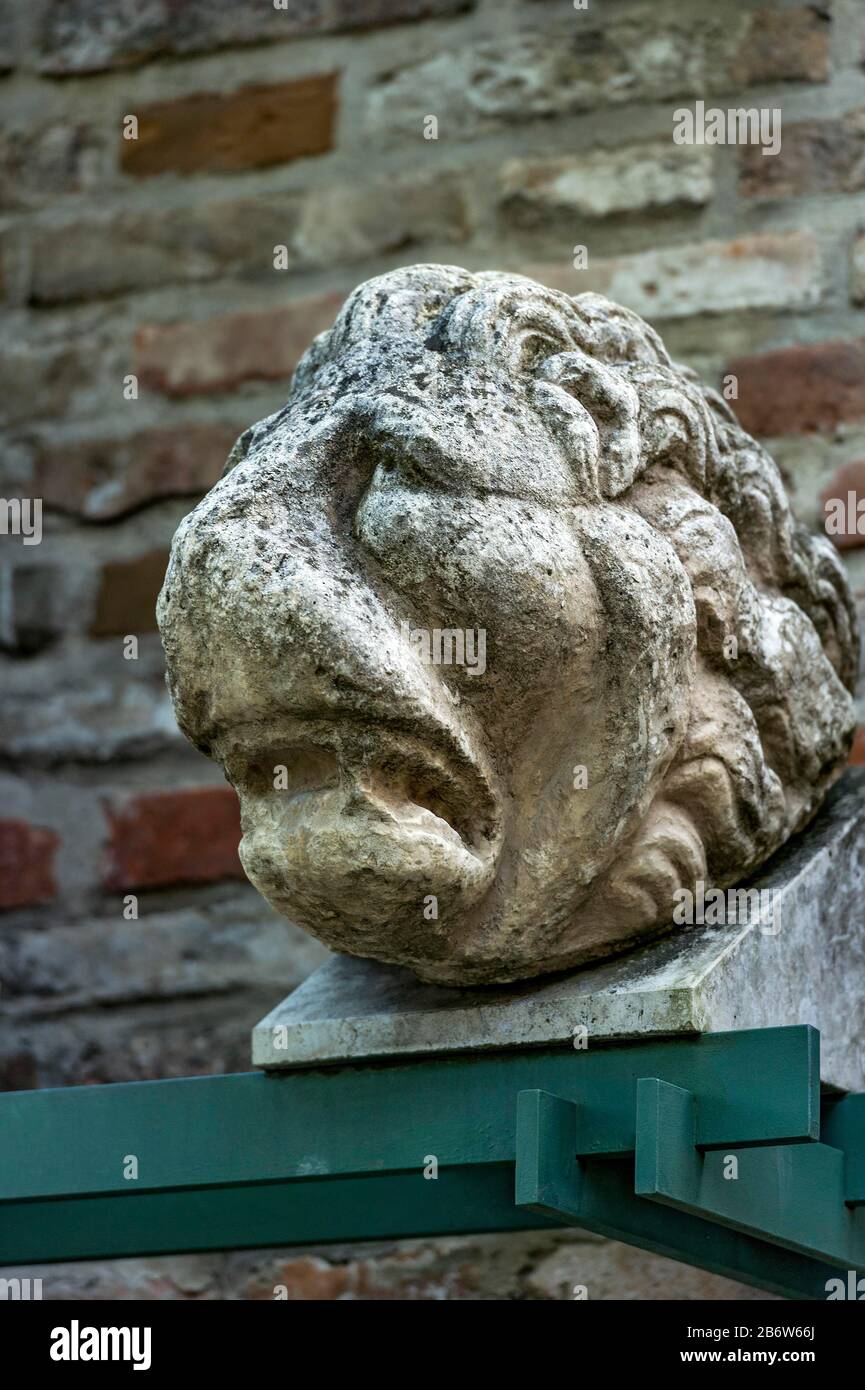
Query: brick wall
point(157, 292)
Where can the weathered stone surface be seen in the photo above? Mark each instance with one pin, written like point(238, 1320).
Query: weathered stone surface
point(57, 158)
point(663, 695)
point(80, 37)
point(247, 129)
point(633, 178)
point(804, 965)
point(581, 63)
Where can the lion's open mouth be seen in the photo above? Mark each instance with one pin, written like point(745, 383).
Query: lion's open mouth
point(370, 770)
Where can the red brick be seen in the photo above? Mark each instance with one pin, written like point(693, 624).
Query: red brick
point(217, 354)
point(167, 837)
point(26, 864)
point(798, 390)
point(785, 46)
point(100, 479)
point(815, 157)
point(247, 129)
point(857, 752)
point(848, 484)
point(126, 598)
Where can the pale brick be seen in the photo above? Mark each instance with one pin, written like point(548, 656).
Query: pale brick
point(120, 716)
point(193, 1036)
point(344, 223)
point(643, 53)
point(769, 271)
point(632, 178)
point(36, 164)
point(112, 960)
point(129, 251)
point(39, 383)
point(124, 252)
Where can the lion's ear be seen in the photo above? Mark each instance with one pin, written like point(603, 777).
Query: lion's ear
point(613, 405)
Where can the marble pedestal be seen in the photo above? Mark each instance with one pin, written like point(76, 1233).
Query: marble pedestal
point(805, 963)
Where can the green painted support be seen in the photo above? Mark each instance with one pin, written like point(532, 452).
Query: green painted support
point(377, 1117)
point(791, 1194)
point(843, 1126)
point(599, 1196)
point(338, 1154)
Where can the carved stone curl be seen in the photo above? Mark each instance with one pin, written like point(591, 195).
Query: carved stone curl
point(504, 632)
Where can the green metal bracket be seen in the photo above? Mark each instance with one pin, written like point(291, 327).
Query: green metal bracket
point(844, 1128)
point(791, 1194)
point(341, 1153)
point(797, 1196)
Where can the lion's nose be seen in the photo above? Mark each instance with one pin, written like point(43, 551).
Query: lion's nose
point(328, 629)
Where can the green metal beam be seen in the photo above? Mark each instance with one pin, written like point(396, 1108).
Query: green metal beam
point(339, 1154)
point(380, 1117)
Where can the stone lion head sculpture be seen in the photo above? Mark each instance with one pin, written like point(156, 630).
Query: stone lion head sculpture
point(504, 632)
